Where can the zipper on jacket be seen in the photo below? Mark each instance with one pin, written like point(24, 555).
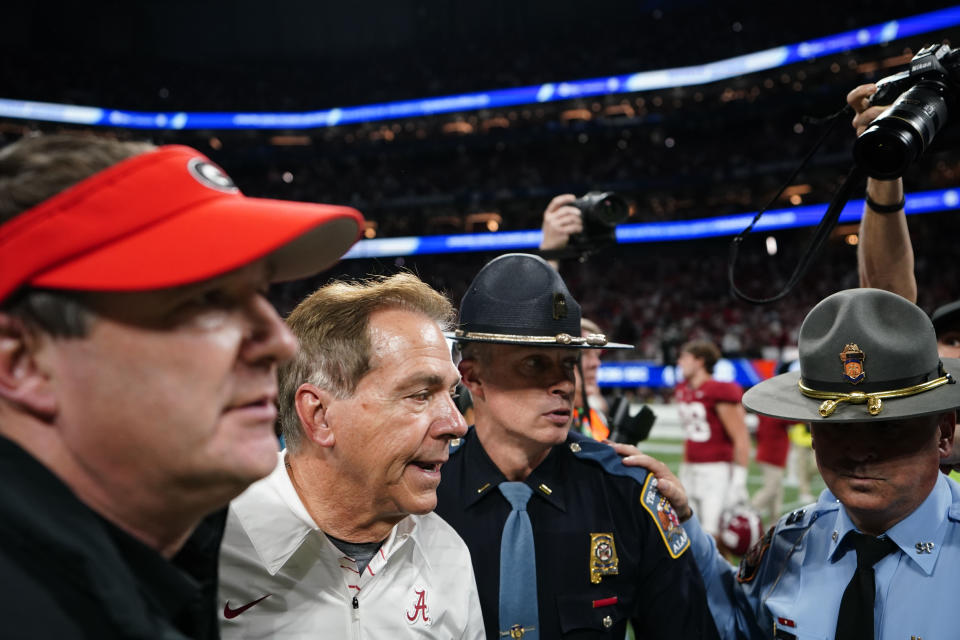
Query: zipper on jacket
point(355, 619)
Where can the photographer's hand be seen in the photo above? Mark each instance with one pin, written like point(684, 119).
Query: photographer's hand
point(560, 220)
point(884, 254)
point(864, 112)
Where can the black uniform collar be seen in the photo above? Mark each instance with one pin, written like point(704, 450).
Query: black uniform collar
point(482, 476)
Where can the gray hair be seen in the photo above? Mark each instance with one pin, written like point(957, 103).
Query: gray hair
point(332, 325)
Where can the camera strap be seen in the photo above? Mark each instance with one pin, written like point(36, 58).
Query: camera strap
point(820, 235)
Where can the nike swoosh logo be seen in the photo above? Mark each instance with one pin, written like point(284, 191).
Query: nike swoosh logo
point(229, 613)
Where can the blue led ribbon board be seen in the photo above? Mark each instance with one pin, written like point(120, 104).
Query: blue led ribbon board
point(773, 220)
point(550, 92)
point(649, 374)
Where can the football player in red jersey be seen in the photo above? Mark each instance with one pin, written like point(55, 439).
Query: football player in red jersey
point(773, 446)
point(717, 448)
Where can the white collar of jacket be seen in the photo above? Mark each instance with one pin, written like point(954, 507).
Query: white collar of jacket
point(277, 522)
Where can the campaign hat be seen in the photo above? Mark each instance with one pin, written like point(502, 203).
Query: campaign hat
point(865, 355)
point(519, 299)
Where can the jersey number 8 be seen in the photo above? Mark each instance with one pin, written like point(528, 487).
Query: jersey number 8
point(693, 416)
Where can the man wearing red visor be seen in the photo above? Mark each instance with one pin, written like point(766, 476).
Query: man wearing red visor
point(138, 360)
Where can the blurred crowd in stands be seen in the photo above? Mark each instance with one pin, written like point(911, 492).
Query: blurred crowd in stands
point(658, 296)
point(683, 153)
point(676, 154)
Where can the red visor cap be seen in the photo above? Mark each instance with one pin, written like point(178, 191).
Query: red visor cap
point(169, 218)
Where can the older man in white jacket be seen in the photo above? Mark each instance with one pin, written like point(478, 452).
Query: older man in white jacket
point(339, 541)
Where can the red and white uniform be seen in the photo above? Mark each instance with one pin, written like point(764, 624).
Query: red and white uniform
point(773, 445)
point(706, 439)
point(707, 470)
point(773, 440)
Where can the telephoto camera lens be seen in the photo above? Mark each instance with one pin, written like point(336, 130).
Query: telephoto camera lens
point(601, 211)
point(604, 207)
point(901, 133)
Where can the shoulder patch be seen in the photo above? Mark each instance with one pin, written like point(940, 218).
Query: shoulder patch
point(668, 524)
point(751, 562)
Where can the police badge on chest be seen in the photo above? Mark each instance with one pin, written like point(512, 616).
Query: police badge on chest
point(603, 557)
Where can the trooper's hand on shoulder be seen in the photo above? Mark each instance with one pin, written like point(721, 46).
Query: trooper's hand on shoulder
point(667, 482)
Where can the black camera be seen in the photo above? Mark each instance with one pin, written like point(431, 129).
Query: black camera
point(629, 427)
point(922, 97)
point(601, 211)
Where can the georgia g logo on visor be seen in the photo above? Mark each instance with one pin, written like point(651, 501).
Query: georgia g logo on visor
point(210, 175)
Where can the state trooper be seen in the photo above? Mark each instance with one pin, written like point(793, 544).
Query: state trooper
point(878, 554)
point(584, 543)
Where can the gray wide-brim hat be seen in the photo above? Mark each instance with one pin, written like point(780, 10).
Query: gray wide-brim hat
point(865, 355)
point(519, 299)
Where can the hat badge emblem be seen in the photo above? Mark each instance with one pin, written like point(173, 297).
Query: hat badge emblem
point(559, 306)
point(852, 358)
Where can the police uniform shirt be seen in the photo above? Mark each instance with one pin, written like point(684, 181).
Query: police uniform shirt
point(791, 584)
point(587, 514)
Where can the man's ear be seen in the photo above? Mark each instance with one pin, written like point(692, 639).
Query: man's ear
point(23, 382)
point(948, 426)
point(470, 377)
point(312, 404)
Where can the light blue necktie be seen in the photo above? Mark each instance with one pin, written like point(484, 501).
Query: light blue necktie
point(518, 568)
